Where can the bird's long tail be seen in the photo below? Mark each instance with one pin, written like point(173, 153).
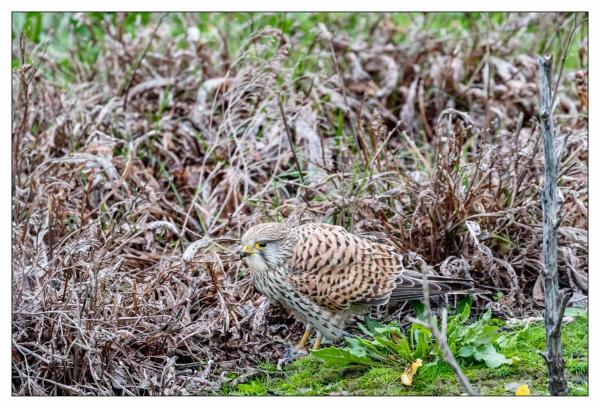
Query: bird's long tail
point(409, 286)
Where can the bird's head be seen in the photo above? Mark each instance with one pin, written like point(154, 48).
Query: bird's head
point(266, 246)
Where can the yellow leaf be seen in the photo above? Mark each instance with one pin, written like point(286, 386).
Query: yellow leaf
point(523, 390)
point(410, 371)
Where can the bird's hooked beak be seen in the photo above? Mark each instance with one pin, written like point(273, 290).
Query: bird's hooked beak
point(247, 250)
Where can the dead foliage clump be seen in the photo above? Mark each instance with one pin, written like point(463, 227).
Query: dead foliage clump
point(133, 184)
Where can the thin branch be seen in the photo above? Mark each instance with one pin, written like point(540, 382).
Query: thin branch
point(289, 136)
point(564, 57)
point(137, 63)
point(360, 143)
point(440, 338)
point(26, 75)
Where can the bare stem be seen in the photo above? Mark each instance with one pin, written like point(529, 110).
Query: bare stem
point(289, 136)
point(137, 63)
point(440, 338)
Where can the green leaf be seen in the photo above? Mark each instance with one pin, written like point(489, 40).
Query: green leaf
point(419, 309)
point(401, 348)
point(463, 309)
point(421, 338)
point(404, 348)
point(486, 334)
point(33, 26)
point(466, 351)
point(490, 356)
point(386, 330)
point(364, 348)
point(364, 329)
point(340, 357)
point(372, 324)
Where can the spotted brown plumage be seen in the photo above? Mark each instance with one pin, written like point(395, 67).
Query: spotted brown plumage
point(338, 269)
point(323, 273)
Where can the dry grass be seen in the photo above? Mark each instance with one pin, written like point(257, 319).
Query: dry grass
point(133, 183)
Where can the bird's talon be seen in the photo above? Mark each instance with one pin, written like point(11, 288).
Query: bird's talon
point(291, 354)
point(297, 349)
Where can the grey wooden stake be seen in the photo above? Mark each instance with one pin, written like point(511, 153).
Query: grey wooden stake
point(555, 300)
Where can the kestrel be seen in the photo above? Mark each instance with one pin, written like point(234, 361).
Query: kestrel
point(324, 274)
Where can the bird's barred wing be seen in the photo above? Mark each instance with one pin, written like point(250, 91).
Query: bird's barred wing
point(337, 269)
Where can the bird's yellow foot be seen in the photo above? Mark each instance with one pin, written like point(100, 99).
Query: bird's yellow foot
point(317, 344)
point(301, 346)
point(299, 350)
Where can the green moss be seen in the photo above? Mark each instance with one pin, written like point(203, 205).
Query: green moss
point(310, 376)
point(252, 388)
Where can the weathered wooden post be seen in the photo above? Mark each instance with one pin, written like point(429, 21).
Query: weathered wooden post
point(555, 300)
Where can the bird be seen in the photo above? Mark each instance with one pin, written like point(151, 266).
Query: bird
point(325, 274)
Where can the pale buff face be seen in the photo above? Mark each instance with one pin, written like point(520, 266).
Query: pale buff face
point(262, 246)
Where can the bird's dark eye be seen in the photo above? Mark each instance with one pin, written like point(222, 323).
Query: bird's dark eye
point(261, 244)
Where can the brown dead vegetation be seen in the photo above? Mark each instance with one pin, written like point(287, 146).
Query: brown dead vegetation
point(132, 188)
